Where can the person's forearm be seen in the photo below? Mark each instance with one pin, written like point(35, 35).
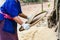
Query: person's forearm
point(23, 15)
point(18, 20)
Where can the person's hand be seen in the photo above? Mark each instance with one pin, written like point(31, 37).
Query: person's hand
point(30, 16)
point(26, 26)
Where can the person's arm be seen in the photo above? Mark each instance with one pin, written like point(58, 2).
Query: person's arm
point(18, 20)
point(23, 15)
point(25, 26)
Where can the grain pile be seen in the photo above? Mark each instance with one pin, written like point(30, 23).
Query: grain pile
point(40, 31)
point(37, 33)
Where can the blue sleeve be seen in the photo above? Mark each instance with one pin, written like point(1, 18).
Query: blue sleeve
point(13, 10)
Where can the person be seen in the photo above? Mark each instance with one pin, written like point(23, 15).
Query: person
point(9, 13)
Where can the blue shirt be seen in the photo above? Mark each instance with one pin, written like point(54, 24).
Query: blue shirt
point(12, 8)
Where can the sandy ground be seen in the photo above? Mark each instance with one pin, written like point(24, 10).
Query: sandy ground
point(40, 31)
point(1, 2)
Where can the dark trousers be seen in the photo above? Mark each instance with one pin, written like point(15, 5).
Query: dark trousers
point(5, 35)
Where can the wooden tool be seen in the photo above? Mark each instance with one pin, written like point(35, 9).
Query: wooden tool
point(35, 19)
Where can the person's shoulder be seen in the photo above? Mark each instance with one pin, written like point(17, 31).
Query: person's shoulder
point(10, 1)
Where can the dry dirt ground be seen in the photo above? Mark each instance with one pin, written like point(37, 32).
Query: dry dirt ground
point(40, 31)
